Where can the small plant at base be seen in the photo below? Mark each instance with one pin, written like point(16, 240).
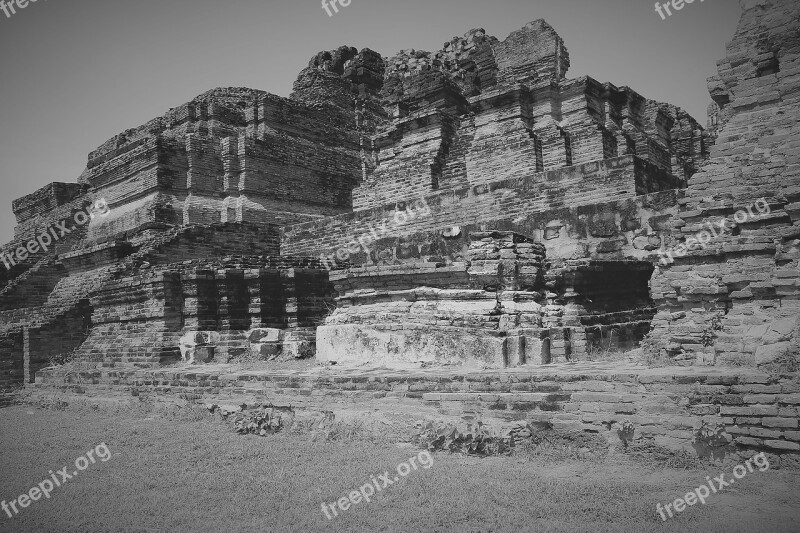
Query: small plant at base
point(597, 353)
point(785, 363)
point(654, 352)
point(476, 439)
point(709, 334)
point(625, 432)
point(710, 441)
point(259, 422)
point(712, 435)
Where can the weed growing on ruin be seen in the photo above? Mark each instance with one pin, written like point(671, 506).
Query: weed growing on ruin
point(474, 439)
point(62, 359)
point(711, 434)
point(625, 432)
point(268, 420)
point(260, 422)
point(70, 367)
point(710, 440)
point(655, 353)
point(785, 363)
point(596, 352)
point(709, 334)
point(647, 452)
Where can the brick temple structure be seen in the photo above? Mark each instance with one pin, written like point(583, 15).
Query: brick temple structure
point(472, 206)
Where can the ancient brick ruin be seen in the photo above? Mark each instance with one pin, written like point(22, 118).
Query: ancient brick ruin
point(292, 227)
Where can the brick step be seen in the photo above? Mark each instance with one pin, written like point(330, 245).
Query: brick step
point(760, 411)
point(543, 401)
point(412, 385)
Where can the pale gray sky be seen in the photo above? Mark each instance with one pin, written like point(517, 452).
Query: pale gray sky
point(74, 73)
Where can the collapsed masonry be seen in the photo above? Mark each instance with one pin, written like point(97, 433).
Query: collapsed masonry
point(549, 201)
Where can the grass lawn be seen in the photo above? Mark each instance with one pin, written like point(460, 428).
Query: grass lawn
point(193, 473)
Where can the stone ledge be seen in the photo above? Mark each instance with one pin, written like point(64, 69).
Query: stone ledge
point(664, 404)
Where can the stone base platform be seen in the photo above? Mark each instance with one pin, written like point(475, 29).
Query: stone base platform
point(665, 405)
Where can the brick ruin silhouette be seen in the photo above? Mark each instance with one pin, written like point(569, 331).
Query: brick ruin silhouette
point(548, 200)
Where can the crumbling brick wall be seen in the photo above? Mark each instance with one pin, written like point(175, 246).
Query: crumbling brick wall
point(749, 276)
point(229, 155)
point(139, 318)
point(569, 207)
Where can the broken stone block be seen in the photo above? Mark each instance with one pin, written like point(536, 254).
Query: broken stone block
point(258, 335)
point(553, 230)
point(203, 354)
point(265, 351)
point(192, 340)
point(770, 352)
point(355, 343)
point(298, 349)
point(198, 346)
point(780, 330)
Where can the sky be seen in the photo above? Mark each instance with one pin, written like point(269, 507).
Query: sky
point(74, 73)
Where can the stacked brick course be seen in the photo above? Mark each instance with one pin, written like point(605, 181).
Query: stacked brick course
point(504, 305)
point(749, 277)
point(758, 411)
